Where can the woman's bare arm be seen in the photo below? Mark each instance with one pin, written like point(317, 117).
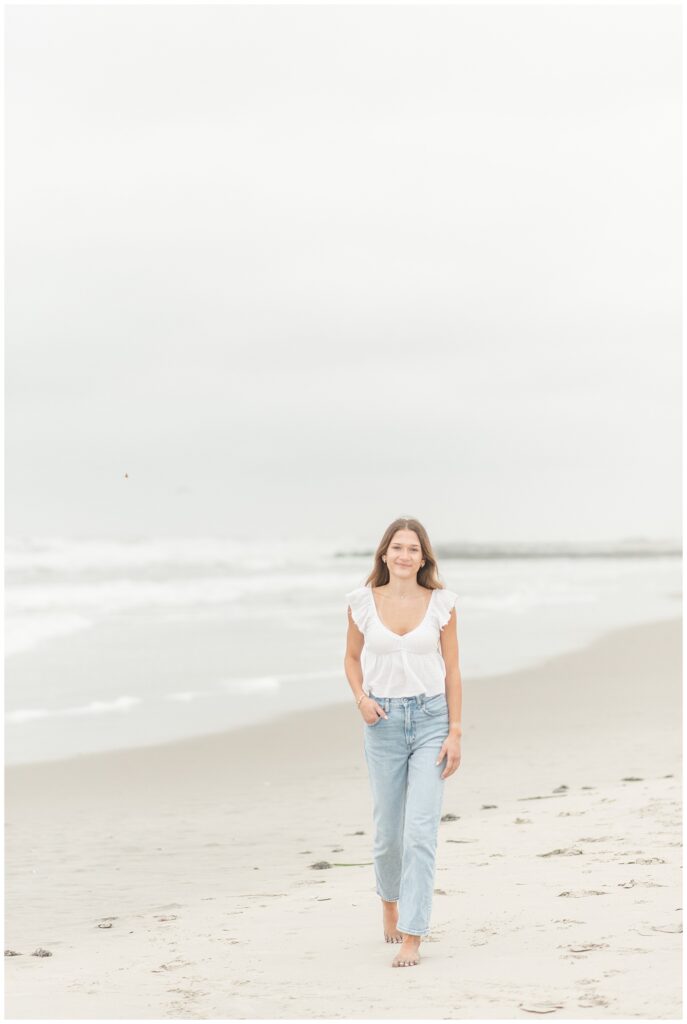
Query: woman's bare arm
point(454, 683)
point(355, 641)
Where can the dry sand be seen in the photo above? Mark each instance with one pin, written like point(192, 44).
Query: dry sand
point(558, 883)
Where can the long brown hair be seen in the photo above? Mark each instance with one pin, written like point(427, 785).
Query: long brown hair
point(427, 576)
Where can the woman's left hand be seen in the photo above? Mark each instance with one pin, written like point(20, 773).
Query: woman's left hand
point(450, 750)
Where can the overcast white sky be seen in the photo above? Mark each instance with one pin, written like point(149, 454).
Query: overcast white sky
point(298, 270)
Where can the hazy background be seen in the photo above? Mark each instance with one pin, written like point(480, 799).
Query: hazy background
point(297, 270)
point(277, 275)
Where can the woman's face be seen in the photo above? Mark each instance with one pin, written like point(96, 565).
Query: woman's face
point(404, 554)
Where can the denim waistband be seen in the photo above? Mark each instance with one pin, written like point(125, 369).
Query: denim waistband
point(417, 700)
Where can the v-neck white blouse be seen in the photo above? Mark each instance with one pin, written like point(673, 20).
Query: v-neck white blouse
point(402, 666)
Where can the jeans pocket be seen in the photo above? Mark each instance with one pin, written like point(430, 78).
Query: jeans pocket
point(436, 706)
point(380, 702)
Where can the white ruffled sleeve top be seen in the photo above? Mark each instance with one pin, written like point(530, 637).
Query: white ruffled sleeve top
point(397, 665)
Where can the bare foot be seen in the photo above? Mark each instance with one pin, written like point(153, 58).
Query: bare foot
point(390, 918)
point(409, 953)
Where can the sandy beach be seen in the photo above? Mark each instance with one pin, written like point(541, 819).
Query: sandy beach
point(177, 881)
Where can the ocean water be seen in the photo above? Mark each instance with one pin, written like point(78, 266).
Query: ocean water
point(116, 644)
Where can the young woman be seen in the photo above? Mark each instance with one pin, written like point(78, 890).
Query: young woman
point(402, 666)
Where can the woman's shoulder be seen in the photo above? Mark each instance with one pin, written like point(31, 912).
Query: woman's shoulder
point(444, 601)
point(359, 601)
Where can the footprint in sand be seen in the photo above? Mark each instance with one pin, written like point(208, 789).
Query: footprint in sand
point(593, 999)
point(585, 948)
point(601, 839)
point(547, 796)
point(570, 851)
point(482, 936)
point(647, 885)
point(580, 893)
point(541, 1007)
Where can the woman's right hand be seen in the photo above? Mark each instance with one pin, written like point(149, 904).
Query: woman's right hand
point(371, 710)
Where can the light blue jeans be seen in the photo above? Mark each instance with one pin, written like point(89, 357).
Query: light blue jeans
point(407, 792)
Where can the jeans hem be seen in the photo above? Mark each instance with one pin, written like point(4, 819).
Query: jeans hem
point(409, 932)
point(394, 899)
